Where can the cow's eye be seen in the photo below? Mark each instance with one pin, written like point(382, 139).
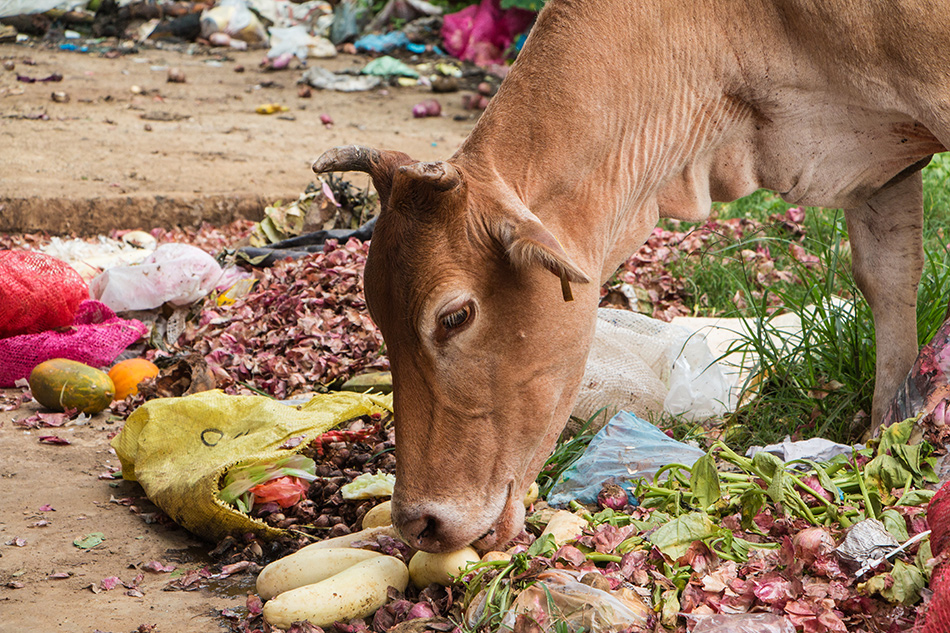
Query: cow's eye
point(456, 319)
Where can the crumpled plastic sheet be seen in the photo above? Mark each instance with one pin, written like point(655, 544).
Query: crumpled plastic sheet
point(176, 273)
point(323, 79)
point(816, 449)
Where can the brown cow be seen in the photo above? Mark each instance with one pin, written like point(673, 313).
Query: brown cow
point(618, 113)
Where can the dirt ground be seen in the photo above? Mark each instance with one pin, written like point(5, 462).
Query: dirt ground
point(95, 165)
point(130, 148)
point(60, 485)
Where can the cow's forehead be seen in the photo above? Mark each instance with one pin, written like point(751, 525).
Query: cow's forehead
point(412, 256)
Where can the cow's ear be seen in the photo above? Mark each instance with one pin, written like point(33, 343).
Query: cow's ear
point(528, 243)
point(381, 165)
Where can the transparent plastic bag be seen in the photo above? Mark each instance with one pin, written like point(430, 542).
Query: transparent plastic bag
point(739, 623)
point(559, 599)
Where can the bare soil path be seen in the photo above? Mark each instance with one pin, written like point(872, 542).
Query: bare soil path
point(130, 147)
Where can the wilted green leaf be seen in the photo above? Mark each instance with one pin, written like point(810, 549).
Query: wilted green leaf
point(894, 435)
point(767, 464)
point(924, 554)
point(704, 481)
point(886, 473)
point(751, 503)
point(674, 538)
point(915, 498)
point(776, 490)
point(908, 581)
point(825, 480)
point(544, 546)
point(895, 524)
point(670, 609)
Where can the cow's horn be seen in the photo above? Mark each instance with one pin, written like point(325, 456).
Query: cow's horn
point(347, 158)
point(440, 174)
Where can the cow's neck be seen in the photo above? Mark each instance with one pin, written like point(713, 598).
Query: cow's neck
point(598, 147)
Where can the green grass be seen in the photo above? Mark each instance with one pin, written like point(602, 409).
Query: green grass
point(818, 383)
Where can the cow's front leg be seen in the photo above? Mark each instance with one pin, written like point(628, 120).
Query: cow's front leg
point(887, 260)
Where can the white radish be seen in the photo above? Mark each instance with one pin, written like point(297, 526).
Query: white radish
point(307, 567)
point(353, 593)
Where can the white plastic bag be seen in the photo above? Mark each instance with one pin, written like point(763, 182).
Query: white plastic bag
point(294, 40)
point(176, 273)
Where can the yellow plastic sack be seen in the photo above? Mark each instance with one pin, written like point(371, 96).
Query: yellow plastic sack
point(179, 449)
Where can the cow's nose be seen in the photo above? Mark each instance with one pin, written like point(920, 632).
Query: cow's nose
point(432, 528)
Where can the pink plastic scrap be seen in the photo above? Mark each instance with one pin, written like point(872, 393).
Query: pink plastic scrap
point(96, 337)
point(482, 33)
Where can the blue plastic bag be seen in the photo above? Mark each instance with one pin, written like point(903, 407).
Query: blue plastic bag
point(376, 43)
point(626, 448)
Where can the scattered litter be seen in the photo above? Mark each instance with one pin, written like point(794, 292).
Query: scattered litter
point(483, 33)
point(271, 108)
point(427, 108)
point(234, 18)
point(387, 66)
point(90, 540)
point(323, 79)
point(55, 77)
point(382, 43)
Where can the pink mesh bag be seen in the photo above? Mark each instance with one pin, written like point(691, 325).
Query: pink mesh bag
point(96, 337)
point(37, 293)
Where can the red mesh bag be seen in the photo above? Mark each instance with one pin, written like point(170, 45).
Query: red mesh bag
point(97, 336)
point(936, 617)
point(37, 293)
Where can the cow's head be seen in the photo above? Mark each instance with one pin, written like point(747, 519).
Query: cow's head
point(465, 284)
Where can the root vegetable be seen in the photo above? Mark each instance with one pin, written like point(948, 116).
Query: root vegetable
point(353, 593)
point(429, 107)
point(426, 568)
point(564, 526)
point(378, 516)
point(308, 567)
point(490, 557)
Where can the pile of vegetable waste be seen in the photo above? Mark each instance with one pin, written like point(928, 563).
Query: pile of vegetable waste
point(837, 546)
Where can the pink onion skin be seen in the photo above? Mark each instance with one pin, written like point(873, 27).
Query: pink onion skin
point(612, 496)
point(811, 543)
